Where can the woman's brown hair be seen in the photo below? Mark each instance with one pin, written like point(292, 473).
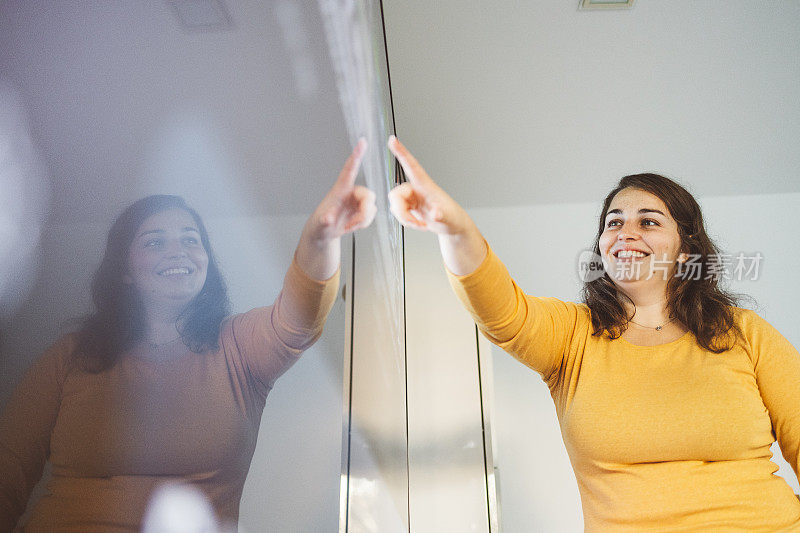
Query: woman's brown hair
point(696, 300)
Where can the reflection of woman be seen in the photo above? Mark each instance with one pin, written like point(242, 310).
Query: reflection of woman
point(668, 397)
point(159, 386)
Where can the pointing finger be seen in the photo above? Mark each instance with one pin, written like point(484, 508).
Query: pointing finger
point(347, 177)
point(414, 171)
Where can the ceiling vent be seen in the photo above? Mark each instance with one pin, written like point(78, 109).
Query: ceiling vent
point(606, 4)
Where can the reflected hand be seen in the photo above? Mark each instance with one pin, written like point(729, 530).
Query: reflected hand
point(420, 203)
point(347, 206)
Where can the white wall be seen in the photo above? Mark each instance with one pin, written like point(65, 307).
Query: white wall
point(540, 247)
point(293, 484)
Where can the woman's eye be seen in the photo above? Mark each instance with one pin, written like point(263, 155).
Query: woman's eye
point(190, 240)
point(649, 222)
point(152, 243)
point(612, 223)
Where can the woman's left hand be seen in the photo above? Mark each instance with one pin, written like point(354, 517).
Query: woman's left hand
point(346, 208)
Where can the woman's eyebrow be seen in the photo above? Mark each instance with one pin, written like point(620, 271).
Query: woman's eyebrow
point(184, 230)
point(641, 211)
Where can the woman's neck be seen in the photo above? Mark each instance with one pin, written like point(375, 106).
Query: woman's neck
point(162, 326)
point(161, 333)
point(648, 310)
point(650, 323)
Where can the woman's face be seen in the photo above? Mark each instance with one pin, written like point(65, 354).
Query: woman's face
point(167, 263)
point(640, 245)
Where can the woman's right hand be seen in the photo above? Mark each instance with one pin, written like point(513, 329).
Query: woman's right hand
point(421, 204)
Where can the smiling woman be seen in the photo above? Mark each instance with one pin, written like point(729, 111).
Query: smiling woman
point(160, 385)
point(668, 396)
point(649, 229)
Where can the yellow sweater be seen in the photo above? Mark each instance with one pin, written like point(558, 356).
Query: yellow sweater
point(661, 438)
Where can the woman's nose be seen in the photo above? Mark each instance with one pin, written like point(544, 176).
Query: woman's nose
point(627, 233)
point(176, 249)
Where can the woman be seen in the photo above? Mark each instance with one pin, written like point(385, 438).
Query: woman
point(668, 396)
point(158, 385)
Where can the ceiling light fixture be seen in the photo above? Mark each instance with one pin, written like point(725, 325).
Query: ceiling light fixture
point(606, 4)
point(202, 15)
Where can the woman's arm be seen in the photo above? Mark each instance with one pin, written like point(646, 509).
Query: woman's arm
point(534, 330)
point(26, 422)
point(272, 338)
point(777, 368)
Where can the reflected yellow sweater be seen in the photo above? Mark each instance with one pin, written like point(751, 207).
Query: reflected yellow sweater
point(114, 437)
point(661, 438)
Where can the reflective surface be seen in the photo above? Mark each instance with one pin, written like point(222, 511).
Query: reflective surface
point(375, 489)
point(123, 100)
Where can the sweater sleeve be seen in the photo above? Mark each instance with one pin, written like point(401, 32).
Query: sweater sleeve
point(537, 331)
point(270, 339)
point(777, 368)
point(26, 424)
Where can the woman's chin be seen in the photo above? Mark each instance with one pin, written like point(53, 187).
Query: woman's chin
point(175, 302)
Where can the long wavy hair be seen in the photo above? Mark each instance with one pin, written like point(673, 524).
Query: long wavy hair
point(118, 321)
point(698, 301)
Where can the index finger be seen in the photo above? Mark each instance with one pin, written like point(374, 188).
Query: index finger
point(414, 171)
point(347, 177)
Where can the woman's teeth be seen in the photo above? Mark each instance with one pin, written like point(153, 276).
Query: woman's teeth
point(174, 271)
point(630, 253)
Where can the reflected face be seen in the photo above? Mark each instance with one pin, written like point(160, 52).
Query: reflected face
point(640, 242)
point(167, 262)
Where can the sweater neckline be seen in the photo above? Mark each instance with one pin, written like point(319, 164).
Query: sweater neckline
point(680, 339)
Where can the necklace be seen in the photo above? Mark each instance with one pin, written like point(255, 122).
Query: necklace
point(657, 328)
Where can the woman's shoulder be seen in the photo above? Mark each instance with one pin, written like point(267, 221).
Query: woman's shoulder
point(577, 313)
point(243, 315)
point(244, 322)
point(748, 319)
point(754, 328)
point(575, 307)
point(64, 347)
point(57, 360)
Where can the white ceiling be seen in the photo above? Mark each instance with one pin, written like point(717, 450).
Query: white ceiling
point(505, 102)
point(511, 102)
point(122, 102)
